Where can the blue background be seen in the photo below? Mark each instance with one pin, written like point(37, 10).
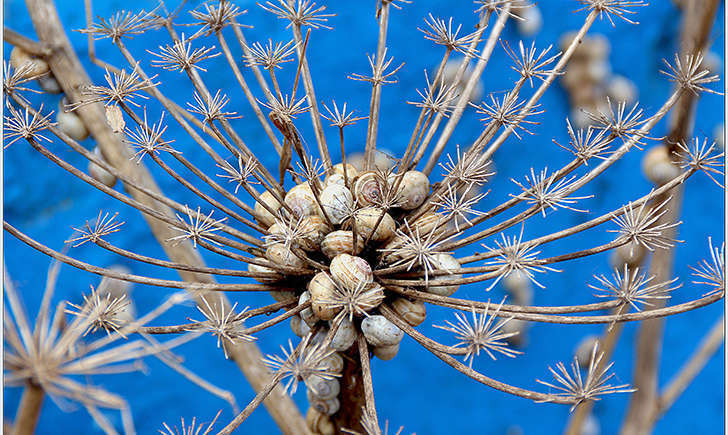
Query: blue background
point(416, 389)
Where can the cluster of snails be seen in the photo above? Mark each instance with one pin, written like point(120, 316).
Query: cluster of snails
point(589, 81)
point(29, 67)
point(324, 241)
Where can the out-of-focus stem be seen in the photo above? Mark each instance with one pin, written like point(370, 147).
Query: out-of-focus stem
point(28, 410)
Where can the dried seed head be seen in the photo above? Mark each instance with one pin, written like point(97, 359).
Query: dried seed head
point(180, 56)
point(299, 13)
point(102, 226)
point(631, 287)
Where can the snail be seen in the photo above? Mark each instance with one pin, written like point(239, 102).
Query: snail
point(314, 228)
point(301, 201)
point(337, 202)
point(262, 215)
point(327, 407)
point(658, 167)
point(584, 350)
point(49, 84)
point(307, 315)
point(368, 189)
point(333, 362)
point(19, 58)
point(632, 254)
point(413, 312)
point(520, 327)
point(282, 295)
point(321, 288)
point(299, 327)
point(450, 264)
point(519, 286)
point(351, 171)
point(70, 123)
point(428, 222)
point(386, 353)
point(380, 332)
point(350, 271)
point(320, 388)
point(621, 89)
point(365, 220)
point(413, 189)
point(257, 268)
point(100, 174)
point(318, 423)
point(334, 179)
point(344, 337)
point(341, 242)
point(278, 253)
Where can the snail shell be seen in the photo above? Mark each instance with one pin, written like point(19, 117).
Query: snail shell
point(322, 288)
point(448, 263)
point(318, 423)
point(350, 271)
point(368, 189)
point(301, 201)
point(19, 57)
point(327, 407)
point(381, 332)
point(632, 254)
point(299, 327)
point(621, 89)
point(262, 214)
point(278, 253)
point(584, 350)
point(334, 179)
point(413, 312)
point(658, 167)
point(70, 123)
point(49, 84)
point(334, 363)
point(386, 353)
point(521, 328)
point(351, 171)
point(427, 223)
point(282, 295)
point(256, 268)
point(344, 337)
point(518, 285)
point(413, 189)
point(100, 174)
point(530, 22)
point(307, 315)
point(320, 388)
point(341, 242)
point(392, 250)
point(314, 229)
point(365, 220)
point(336, 200)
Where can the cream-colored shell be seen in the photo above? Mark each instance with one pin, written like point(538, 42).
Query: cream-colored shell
point(100, 174)
point(413, 189)
point(413, 312)
point(334, 179)
point(427, 223)
point(262, 214)
point(351, 171)
point(584, 350)
point(256, 268)
point(314, 229)
point(307, 315)
point(320, 388)
point(341, 242)
point(632, 254)
point(337, 202)
point(318, 423)
point(520, 327)
point(299, 327)
point(344, 337)
point(19, 57)
point(386, 353)
point(519, 286)
point(71, 124)
point(334, 363)
point(658, 167)
point(301, 201)
point(350, 271)
point(321, 288)
point(49, 84)
point(278, 253)
point(282, 295)
point(366, 219)
point(328, 407)
point(380, 332)
point(449, 263)
point(368, 189)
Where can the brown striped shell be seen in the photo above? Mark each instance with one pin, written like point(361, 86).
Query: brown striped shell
point(301, 201)
point(341, 242)
point(262, 214)
point(368, 189)
point(350, 271)
point(321, 288)
point(366, 220)
point(337, 201)
point(413, 312)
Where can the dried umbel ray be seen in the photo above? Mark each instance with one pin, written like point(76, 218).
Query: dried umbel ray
point(354, 254)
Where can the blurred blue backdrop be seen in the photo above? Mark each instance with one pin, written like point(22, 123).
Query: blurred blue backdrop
point(416, 389)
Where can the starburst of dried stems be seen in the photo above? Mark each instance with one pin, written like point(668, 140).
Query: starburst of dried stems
point(411, 267)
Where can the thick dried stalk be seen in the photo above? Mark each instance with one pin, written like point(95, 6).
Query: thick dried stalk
point(698, 21)
point(71, 76)
point(28, 411)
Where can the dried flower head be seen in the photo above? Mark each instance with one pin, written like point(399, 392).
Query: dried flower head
point(712, 273)
point(631, 287)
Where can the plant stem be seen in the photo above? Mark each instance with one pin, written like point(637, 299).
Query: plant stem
point(28, 411)
point(352, 394)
